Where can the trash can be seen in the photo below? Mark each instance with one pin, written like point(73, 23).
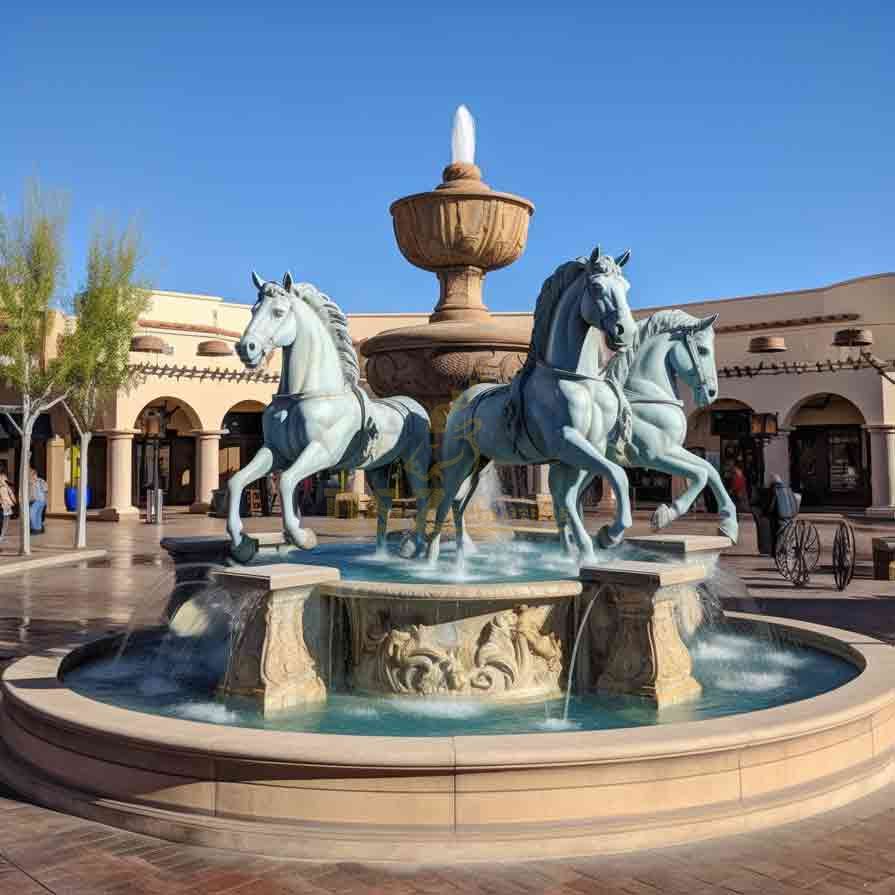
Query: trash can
point(154, 506)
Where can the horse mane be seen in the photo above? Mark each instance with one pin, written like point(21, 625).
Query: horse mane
point(551, 292)
point(619, 367)
point(336, 324)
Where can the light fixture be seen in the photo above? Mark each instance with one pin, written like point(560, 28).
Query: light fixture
point(214, 348)
point(853, 338)
point(150, 345)
point(767, 344)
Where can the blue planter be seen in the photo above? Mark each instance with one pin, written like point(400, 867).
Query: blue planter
point(71, 498)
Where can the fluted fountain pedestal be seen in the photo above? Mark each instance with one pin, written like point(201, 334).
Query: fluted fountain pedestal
point(637, 647)
point(279, 650)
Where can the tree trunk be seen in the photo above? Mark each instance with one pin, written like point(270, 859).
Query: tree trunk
point(81, 524)
point(25, 489)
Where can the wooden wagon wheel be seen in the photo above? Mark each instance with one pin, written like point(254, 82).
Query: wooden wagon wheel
point(844, 555)
point(798, 552)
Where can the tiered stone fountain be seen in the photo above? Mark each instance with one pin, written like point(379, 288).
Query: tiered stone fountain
point(460, 231)
point(306, 636)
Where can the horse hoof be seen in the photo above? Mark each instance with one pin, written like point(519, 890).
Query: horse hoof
point(730, 528)
point(244, 552)
point(605, 540)
point(408, 546)
point(305, 540)
point(660, 518)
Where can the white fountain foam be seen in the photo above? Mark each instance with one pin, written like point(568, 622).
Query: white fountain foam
point(211, 712)
point(430, 707)
point(558, 724)
point(751, 681)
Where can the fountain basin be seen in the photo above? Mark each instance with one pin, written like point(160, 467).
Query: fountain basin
point(441, 799)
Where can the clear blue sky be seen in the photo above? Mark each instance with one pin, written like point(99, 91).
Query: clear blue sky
point(735, 147)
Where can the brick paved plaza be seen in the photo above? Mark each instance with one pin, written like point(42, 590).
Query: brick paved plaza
point(844, 851)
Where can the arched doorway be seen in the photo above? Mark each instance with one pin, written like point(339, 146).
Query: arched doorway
point(829, 452)
point(722, 435)
point(242, 439)
point(165, 451)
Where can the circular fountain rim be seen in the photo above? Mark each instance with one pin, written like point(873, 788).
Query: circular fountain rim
point(461, 798)
point(64, 705)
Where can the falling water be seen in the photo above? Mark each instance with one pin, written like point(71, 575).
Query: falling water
point(593, 599)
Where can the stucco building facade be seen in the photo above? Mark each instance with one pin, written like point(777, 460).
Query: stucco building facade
point(194, 416)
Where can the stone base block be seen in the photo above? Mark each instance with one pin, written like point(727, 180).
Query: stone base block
point(545, 506)
point(272, 661)
point(646, 656)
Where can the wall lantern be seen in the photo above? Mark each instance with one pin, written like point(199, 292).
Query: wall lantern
point(150, 345)
point(767, 344)
point(214, 348)
point(764, 425)
point(853, 338)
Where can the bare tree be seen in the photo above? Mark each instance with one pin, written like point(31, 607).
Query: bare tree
point(106, 313)
point(31, 270)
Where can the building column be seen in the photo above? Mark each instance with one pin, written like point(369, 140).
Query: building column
point(776, 456)
point(541, 491)
point(882, 466)
point(208, 475)
point(119, 474)
point(608, 504)
point(56, 475)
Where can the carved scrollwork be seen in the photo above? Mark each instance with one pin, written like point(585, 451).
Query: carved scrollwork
point(503, 653)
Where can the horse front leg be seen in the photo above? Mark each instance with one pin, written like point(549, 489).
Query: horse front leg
point(680, 462)
point(729, 525)
point(379, 479)
point(416, 468)
point(575, 450)
point(244, 548)
point(562, 483)
point(311, 460)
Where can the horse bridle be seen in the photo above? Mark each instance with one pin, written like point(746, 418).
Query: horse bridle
point(693, 351)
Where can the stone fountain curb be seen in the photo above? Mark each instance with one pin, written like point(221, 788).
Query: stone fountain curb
point(444, 799)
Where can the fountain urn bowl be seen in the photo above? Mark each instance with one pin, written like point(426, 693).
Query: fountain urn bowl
point(461, 230)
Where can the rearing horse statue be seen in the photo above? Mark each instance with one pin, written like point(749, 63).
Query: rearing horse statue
point(319, 418)
point(671, 346)
point(559, 408)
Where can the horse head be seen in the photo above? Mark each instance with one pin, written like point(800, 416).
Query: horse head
point(693, 359)
point(273, 324)
point(605, 304)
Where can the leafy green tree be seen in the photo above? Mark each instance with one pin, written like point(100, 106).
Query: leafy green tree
point(31, 272)
point(106, 313)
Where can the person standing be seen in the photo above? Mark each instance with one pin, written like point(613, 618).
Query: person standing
point(782, 507)
point(7, 504)
point(37, 497)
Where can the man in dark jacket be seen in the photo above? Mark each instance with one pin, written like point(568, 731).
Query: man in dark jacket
point(782, 507)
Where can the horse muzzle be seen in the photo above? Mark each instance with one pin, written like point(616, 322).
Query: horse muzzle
point(250, 352)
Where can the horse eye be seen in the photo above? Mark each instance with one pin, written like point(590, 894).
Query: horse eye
point(703, 350)
point(279, 312)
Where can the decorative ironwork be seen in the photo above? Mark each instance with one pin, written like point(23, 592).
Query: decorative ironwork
point(182, 371)
point(865, 362)
point(798, 551)
point(844, 554)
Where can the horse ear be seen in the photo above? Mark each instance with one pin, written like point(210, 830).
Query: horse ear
point(287, 281)
point(622, 259)
point(706, 322)
point(595, 254)
point(259, 283)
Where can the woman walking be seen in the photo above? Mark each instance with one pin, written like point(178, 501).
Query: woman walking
point(7, 504)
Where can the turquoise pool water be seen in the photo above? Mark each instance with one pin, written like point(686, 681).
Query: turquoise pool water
point(739, 672)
